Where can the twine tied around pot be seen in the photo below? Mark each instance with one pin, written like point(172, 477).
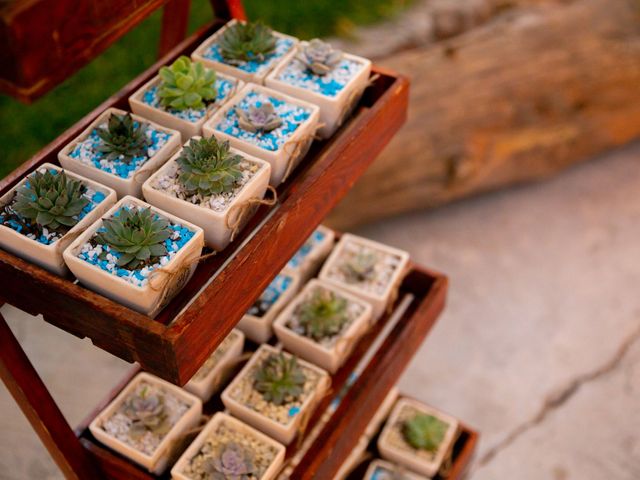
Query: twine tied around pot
point(244, 209)
point(354, 97)
point(168, 275)
point(296, 148)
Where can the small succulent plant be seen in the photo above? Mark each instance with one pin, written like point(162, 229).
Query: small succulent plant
point(360, 267)
point(424, 432)
point(207, 167)
point(244, 42)
point(323, 315)
point(123, 137)
point(319, 57)
point(51, 200)
point(146, 409)
point(230, 462)
point(186, 84)
point(260, 119)
point(137, 234)
point(280, 379)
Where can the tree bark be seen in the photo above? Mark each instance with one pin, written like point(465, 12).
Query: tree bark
point(543, 86)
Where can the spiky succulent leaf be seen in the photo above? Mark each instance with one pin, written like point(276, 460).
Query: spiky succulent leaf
point(51, 200)
point(280, 379)
point(123, 137)
point(208, 167)
point(319, 57)
point(137, 234)
point(424, 432)
point(360, 267)
point(186, 84)
point(323, 314)
point(244, 42)
point(260, 119)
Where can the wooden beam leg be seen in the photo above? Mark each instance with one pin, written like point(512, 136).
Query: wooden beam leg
point(228, 9)
point(175, 19)
point(45, 417)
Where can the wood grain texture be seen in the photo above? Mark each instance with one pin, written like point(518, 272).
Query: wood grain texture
point(177, 342)
point(388, 361)
point(546, 85)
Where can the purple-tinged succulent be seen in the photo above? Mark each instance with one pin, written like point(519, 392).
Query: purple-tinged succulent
point(260, 119)
point(319, 57)
point(147, 413)
point(230, 462)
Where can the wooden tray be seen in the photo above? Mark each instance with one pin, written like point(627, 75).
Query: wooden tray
point(176, 343)
point(359, 386)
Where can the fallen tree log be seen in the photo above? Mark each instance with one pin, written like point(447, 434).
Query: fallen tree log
point(543, 86)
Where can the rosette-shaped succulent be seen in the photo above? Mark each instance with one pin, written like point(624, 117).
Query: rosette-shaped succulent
point(51, 199)
point(246, 41)
point(146, 410)
point(260, 119)
point(360, 267)
point(208, 167)
point(323, 315)
point(138, 235)
point(280, 378)
point(319, 57)
point(123, 138)
point(231, 462)
point(186, 84)
point(424, 432)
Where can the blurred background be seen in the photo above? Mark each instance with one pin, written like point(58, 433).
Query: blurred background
point(539, 347)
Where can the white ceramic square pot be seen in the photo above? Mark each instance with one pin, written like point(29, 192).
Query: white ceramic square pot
point(110, 427)
point(393, 446)
point(336, 93)
point(80, 156)
point(383, 269)
point(285, 146)
point(283, 423)
point(222, 430)
point(222, 216)
point(329, 353)
point(308, 259)
point(257, 323)
point(188, 122)
point(49, 255)
point(217, 368)
point(144, 291)
point(253, 71)
point(381, 470)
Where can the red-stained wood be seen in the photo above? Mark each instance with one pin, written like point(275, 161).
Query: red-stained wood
point(428, 290)
point(175, 19)
point(30, 393)
point(177, 342)
point(228, 9)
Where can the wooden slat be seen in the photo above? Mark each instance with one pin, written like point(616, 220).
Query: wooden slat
point(175, 20)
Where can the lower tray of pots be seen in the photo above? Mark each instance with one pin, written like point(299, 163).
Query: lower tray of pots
point(260, 410)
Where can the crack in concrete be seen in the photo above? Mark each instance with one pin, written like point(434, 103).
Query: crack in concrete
point(558, 398)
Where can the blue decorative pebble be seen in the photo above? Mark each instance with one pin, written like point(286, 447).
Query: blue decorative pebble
point(293, 411)
point(314, 240)
point(223, 86)
point(292, 117)
point(86, 151)
point(296, 74)
point(283, 46)
point(270, 295)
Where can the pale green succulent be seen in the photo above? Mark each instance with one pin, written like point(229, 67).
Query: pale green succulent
point(280, 378)
point(424, 432)
point(186, 84)
point(360, 267)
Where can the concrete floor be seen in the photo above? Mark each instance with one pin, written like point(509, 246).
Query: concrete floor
point(539, 347)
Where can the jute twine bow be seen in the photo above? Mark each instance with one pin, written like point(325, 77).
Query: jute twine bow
point(244, 209)
point(353, 99)
point(296, 148)
point(169, 275)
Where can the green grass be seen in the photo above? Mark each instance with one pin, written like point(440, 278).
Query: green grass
point(27, 128)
